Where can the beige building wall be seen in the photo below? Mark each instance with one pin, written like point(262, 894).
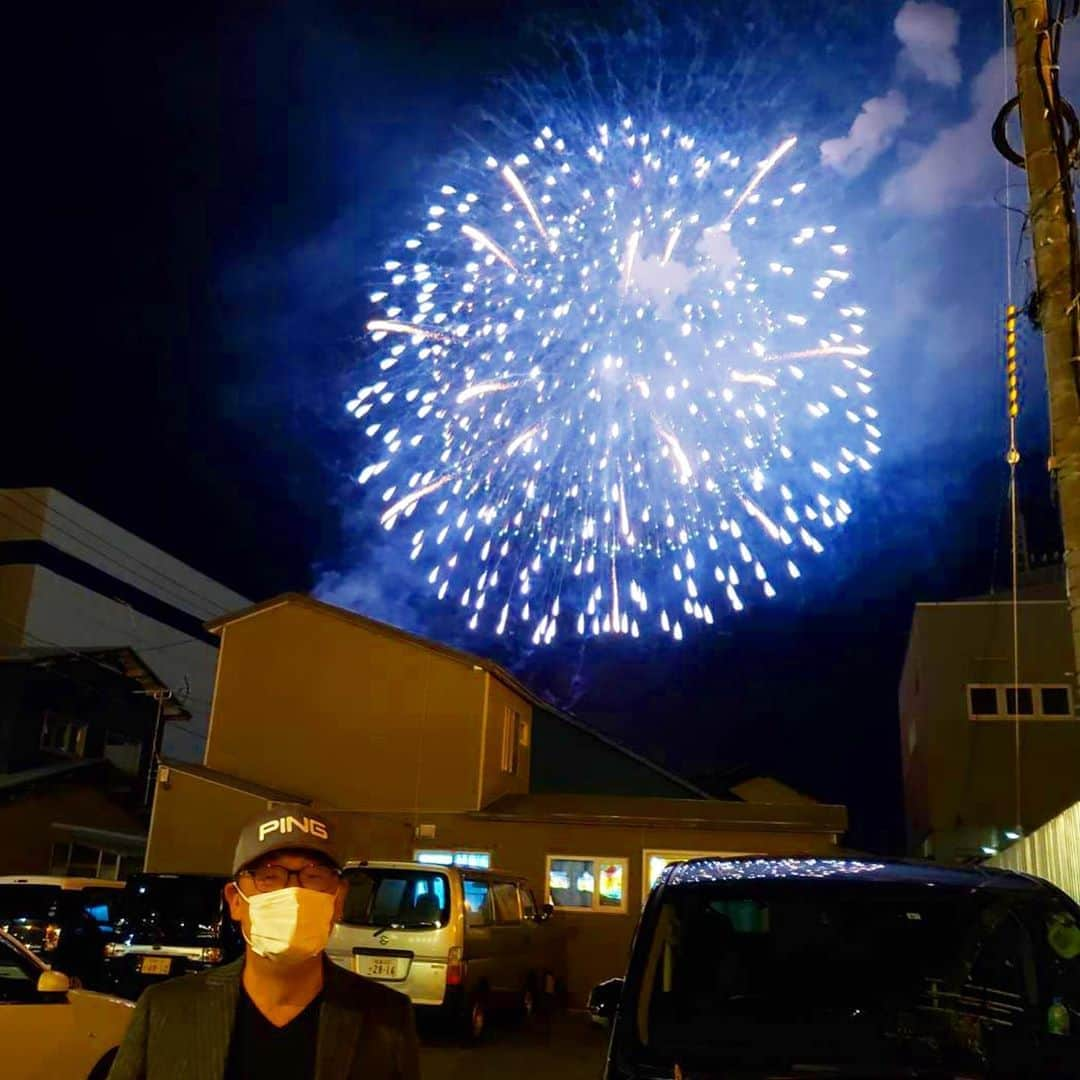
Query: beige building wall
point(307, 700)
point(195, 823)
point(494, 781)
point(16, 586)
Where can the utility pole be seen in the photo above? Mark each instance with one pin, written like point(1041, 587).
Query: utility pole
point(1049, 126)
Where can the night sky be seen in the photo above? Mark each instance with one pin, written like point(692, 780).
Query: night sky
point(199, 203)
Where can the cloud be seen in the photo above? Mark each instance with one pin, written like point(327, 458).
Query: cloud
point(662, 283)
point(929, 33)
point(872, 133)
point(718, 247)
point(960, 165)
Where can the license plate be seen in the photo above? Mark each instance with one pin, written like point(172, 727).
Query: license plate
point(382, 967)
point(155, 965)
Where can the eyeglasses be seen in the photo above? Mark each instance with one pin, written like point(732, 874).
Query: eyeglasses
point(272, 876)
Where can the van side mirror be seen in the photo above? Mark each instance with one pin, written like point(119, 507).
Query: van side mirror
point(545, 912)
point(604, 1001)
point(53, 982)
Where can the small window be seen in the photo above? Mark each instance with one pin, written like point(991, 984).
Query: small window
point(1055, 701)
point(470, 860)
point(507, 905)
point(577, 883)
point(1026, 706)
point(654, 863)
point(477, 902)
point(511, 740)
point(983, 700)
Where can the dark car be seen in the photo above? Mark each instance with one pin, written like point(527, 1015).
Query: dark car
point(847, 967)
point(169, 925)
point(64, 921)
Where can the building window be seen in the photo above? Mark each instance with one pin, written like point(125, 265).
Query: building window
point(514, 736)
point(470, 860)
point(587, 883)
point(983, 700)
point(1055, 701)
point(62, 736)
point(1002, 702)
point(653, 863)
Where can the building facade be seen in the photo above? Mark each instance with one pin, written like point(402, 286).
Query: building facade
point(987, 757)
point(421, 751)
point(72, 580)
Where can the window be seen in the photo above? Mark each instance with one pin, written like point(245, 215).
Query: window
point(511, 740)
point(982, 700)
point(1026, 708)
point(1055, 701)
point(1002, 702)
point(587, 883)
point(507, 905)
point(477, 902)
point(124, 751)
point(385, 896)
point(63, 736)
point(528, 904)
point(655, 861)
point(470, 860)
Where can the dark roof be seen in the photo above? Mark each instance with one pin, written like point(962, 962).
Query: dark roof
point(808, 817)
point(213, 776)
point(863, 868)
point(458, 655)
point(121, 661)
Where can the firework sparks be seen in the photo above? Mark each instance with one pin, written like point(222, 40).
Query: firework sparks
point(590, 404)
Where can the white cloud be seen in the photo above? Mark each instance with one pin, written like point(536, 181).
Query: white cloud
point(718, 247)
point(929, 33)
point(872, 133)
point(961, 163)
point(662, 283)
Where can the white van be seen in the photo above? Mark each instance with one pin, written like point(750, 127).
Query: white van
point(458, 940)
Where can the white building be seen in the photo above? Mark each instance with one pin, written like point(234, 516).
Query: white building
point(70, 579)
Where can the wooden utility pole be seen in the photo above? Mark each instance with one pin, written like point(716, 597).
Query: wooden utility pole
point(1052, 219)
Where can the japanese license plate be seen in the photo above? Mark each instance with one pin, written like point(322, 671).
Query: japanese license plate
point(382, 967)
point(155, 965)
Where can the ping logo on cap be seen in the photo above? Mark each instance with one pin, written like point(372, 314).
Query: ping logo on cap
point(312, 826)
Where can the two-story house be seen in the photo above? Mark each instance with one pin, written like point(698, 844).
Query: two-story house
point(422, 751)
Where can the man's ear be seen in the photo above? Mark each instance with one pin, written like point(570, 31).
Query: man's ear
point(234, 900)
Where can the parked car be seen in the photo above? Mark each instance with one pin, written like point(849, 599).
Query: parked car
point(168, 925)
point(847, 967)
point(459, 941)
point(66, 921)
point(48, 1028)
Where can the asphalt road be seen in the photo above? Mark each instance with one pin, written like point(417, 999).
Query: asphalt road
point(566, 1047)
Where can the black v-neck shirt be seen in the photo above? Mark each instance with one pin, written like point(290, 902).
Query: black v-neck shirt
point(260, 1051)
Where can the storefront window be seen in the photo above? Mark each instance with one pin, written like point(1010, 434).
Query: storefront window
point(587, 883)
point(655, 861)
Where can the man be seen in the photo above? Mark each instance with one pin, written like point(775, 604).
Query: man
point(283, 1010)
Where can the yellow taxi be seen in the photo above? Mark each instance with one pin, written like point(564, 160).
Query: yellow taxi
point(49, 1029)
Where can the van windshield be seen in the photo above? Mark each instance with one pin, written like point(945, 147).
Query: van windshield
point(180, 910)
point(397, 899)
point(795, 973)
point(29, 902)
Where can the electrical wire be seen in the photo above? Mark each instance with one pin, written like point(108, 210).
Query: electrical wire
point(182, 591)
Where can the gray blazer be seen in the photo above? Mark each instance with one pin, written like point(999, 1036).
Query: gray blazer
point(181, 1029)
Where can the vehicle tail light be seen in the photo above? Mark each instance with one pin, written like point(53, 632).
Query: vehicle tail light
point(211, 955)
point(455, 967)
point(51, 937)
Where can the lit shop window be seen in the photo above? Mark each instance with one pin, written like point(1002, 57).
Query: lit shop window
point(470, 860)
point(655, 861)
point(587, 883)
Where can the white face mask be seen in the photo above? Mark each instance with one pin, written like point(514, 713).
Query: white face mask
point(289, 925)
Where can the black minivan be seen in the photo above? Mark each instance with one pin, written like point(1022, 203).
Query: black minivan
point(169, 925)
point(845, 967)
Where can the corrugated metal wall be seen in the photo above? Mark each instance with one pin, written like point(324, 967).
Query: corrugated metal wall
point(1052, 852)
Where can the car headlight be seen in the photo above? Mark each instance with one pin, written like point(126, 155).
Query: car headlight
point(51, 938)
point(211, 955)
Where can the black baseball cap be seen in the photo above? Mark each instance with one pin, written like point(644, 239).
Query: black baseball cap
point(285, 827)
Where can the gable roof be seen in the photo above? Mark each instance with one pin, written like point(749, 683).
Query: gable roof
point(459, 656)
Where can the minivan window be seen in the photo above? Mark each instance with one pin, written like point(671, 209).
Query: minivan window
point(789, 970)
point(29, 902)
point(397, 898)
point(477, 908)
point(507, 909)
